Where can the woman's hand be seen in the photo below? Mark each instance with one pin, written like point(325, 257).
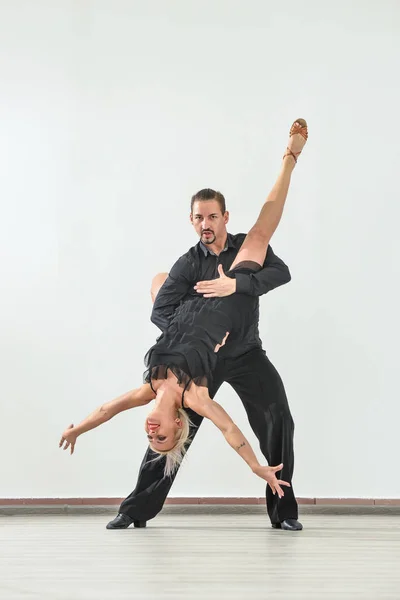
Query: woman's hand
point(218, 346)
point(268, 473)
point(68, 438)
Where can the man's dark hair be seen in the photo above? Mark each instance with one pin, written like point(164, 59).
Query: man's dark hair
point(208, 194)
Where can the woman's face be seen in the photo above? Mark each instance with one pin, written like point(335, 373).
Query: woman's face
point(162, 431)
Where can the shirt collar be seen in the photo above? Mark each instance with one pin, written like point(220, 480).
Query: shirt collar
point(229, 244)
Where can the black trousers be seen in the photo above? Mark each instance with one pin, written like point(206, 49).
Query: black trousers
point(260, 388)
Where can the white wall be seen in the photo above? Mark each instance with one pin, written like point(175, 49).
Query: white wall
point(112, 115)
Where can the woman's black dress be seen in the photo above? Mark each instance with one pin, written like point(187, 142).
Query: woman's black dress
point(187, 347)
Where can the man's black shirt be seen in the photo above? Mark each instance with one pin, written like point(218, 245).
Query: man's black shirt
point(199, 264)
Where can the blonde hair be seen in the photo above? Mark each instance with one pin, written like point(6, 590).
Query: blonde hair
point(175, 456)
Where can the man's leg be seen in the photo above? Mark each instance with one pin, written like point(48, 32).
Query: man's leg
point(148, 497)
point(261, 390)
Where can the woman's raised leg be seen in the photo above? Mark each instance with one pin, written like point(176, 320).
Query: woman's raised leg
point(255, 245)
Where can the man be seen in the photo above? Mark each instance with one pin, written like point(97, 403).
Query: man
point(241, 361)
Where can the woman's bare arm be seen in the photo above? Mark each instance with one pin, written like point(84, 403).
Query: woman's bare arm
point(201, 403)
point(105, 412)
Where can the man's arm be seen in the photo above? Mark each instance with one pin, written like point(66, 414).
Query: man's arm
point(178, 283)
point(273, 274)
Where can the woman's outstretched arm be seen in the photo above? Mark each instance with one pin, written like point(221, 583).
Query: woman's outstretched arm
point(198, 400)
point(105, 412)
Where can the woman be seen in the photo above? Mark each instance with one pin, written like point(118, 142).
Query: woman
point(180, 364)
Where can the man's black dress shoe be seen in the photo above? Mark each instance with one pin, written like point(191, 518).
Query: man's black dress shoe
point(289, 524)
point(122, 521)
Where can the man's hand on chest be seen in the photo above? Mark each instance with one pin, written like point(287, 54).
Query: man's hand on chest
point(217, 288)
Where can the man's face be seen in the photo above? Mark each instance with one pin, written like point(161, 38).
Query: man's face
point(209, 222)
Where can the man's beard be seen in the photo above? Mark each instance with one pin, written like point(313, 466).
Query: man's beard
point(208, 240)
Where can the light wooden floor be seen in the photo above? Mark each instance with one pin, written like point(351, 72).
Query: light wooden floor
point(201, 557)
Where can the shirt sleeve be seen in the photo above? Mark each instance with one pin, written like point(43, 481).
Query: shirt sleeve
point(178, 283)
point(273, 274)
